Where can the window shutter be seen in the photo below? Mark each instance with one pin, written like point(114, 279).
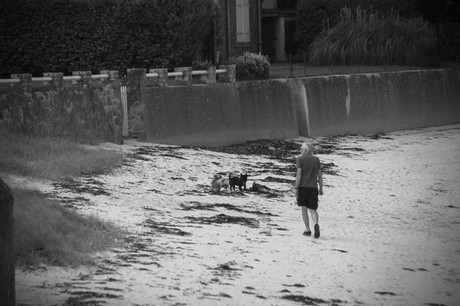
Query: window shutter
point(242, 21)
point(246, 33)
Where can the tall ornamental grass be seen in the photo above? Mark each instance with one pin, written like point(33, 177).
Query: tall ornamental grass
point(363, 38)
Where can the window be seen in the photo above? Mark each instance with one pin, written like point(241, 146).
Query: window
point(242, 21)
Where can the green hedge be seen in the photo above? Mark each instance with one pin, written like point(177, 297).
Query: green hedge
point(71, 35)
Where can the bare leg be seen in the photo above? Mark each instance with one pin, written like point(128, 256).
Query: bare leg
point(305, 217)
point(314, 216)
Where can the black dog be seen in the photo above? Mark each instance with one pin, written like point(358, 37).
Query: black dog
point(238, 181)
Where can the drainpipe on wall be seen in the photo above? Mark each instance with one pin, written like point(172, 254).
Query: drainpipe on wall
point(227, 6)
point(259, 15)
point(215, 60)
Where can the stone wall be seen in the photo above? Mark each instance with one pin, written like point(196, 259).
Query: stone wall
point(83, 107)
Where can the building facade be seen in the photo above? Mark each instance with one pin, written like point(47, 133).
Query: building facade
point(239, 28)
point(258, 26)
point(278, 21)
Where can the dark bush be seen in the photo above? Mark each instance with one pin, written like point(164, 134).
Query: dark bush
point(312, 18)
point(448, 44)
point(70, 35)
point(290, 44)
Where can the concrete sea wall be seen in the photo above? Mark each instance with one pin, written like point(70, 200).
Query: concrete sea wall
point(221, 114)
point(378, 102)
point(181, 111)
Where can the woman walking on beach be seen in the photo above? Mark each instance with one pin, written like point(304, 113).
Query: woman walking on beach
point(307, 179)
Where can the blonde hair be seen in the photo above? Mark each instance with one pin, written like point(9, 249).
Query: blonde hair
point(306, 148)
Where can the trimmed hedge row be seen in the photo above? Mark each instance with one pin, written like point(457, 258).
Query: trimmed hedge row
point(73, 35)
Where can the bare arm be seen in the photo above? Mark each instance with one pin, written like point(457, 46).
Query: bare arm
point(298, 176)
point(320, 181)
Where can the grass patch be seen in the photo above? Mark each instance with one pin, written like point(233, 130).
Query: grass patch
point(45, 231)
point(53, 158)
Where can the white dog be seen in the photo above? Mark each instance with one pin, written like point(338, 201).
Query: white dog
point(218, 182)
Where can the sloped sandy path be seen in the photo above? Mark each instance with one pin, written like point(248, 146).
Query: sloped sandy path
point(389, 218)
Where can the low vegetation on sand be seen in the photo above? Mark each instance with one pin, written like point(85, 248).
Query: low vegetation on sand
point(45, 231)
point(53, 158)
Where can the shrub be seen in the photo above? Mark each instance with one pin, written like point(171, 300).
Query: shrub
point(251, 65)
point(201, 65)
point(448, 45)
point(372, 38)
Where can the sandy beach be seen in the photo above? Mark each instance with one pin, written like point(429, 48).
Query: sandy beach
point(389, 217)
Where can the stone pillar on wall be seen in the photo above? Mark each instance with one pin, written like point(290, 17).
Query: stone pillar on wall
point(211, 76)
point(135, 81)
point(56, 76)
point(113, 110)
point(117, 113)
point(230, 75)
point(162, 79)
point(25, 78)
point(7, 253)
point(26, 118)
point(113, 74)
point(186, 78)
point(85, 76)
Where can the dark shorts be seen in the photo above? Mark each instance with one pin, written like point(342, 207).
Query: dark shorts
point(308, 197)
